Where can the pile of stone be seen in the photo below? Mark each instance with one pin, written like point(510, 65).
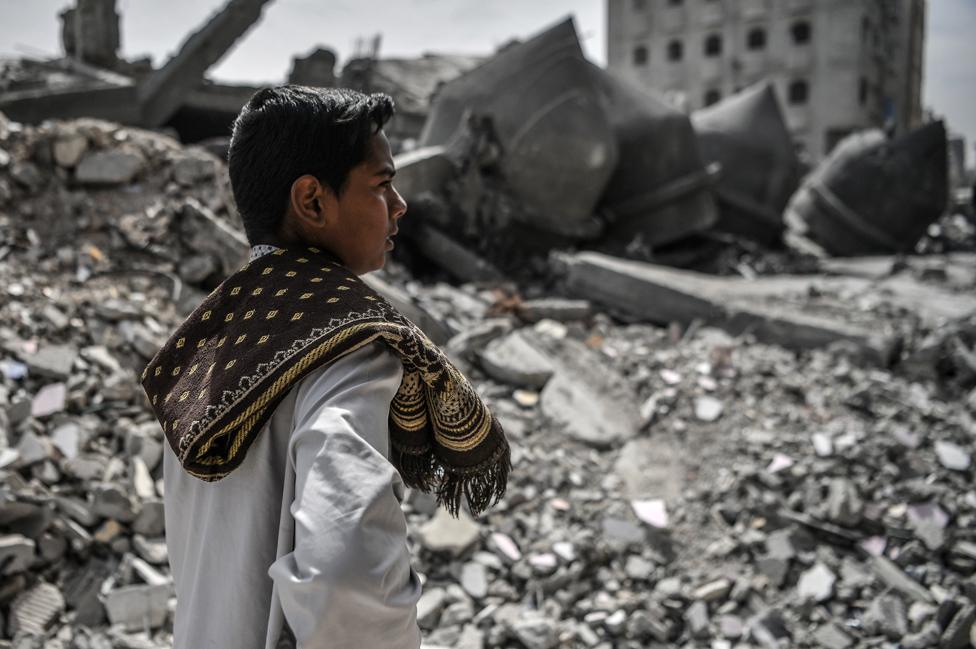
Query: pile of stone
point(685, 472)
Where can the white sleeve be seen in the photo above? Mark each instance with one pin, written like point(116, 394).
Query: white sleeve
point(349, 583)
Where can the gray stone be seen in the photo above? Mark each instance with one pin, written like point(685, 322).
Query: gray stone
point(708, 409)
point(101, 356)
point(205, 233)
point(513, 359)
point(713, 591)
point(193, 166)
point(616, 623)
point(429, 607)
point(117, 310)
point(817, 583)
point(54, 315)
point(136, 607)
point(779, 544)
point(474, 579)
point(33, 448)
point(112, 501)
point(113, 167)
point(830, 636)
point(952, 456)
point(731, 626)
point(638, 568)
point(52, 547)
point(77, 510)
point(52, 362)
point(86, 467)
point(926, 638)
point(27, 175)
point(589, 414)
point(774, 569)
point(886, 614)
point(893, 576)
point(650, 467)
point(456, 614)
point(536, 632)
point(444, 533)
point(152, 550)
point(145, 343)
point(68, 438)
point(697, 619)
point(49, 400)
point(558, 309)
point(151, 518)
point(619, 531)
point(471, 638)
point(844, 505)
point(196, 268)
point(142, 482)
point(477, 336)
point(69, 148)
point(929, 521)
point(958, 632)
point(16, 553)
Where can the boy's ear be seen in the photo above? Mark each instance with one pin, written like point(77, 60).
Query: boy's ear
point(310, 200)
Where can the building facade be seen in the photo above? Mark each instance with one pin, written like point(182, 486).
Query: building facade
point(837, 65)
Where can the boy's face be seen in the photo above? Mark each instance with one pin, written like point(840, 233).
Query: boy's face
point(364, 216)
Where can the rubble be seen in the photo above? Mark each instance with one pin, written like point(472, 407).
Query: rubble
point(747, 135)
point(659, 191)
point(872, 195)
point(530, 113)
point(781, 461)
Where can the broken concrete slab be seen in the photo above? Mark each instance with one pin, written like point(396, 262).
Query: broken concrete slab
point(536, 93)
point(444, 533)
point(206, 233)
point(453, 257)
point(595, 404)
point(164, 91)
point(112, 167)
point(139, 606)
point(51, 361)
point(514, 359)
point(665, 295)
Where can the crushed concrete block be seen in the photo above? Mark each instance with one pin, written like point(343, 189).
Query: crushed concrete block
point(16, 553)
point(110, 167)
point(139, 606)
point(513, 359)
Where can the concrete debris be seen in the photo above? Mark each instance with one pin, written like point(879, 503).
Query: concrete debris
point(817, 583)
point(777, 461)
point(747, 135)
point(444, 533)
point(16, 553)
point(34, 610)
point(138, 607)
point(117, 167)
point(515, 360)
point(873, 195)
point(665, 295)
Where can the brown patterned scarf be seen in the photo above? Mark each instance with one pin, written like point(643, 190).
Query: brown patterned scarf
point(220, 376)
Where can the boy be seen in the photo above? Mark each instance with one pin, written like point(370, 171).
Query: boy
point(298, 404)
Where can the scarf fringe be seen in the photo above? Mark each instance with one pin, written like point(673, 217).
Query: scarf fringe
point(481, 486)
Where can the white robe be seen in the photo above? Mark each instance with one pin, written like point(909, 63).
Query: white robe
point(308, 529)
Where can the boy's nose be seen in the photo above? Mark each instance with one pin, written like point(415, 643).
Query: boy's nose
point(399, 207)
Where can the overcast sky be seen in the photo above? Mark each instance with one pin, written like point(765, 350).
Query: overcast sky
point(410, 27)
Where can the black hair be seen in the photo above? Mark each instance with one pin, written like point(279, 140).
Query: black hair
point(288, 131)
